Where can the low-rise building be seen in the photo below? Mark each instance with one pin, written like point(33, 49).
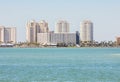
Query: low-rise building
point(55, 38)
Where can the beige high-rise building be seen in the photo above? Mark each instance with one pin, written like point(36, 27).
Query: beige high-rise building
point(86, 31)
point(62, 27)
point(43, 27)
point(7, 35)
point(31, 31)
point(33, 28)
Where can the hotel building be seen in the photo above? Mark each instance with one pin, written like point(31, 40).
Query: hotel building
point(54, 38)
point(61, 35)
point(7, 34)
point(86, 31)
point(39, 32)
point(43, 26)
point(33, 28)
point(62, 27)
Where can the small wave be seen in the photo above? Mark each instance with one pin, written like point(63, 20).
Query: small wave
point(116, 55)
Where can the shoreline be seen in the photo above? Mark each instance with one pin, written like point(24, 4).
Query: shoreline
point(60, 47)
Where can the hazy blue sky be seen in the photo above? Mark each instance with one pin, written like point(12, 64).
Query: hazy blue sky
point(105, 14)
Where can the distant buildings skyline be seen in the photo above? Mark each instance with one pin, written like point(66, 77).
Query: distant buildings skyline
point(39, 33)
point(85, 34)
point(103, 13)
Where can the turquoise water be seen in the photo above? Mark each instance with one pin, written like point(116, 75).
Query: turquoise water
point(60, 65)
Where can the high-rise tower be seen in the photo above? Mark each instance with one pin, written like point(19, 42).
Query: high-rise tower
point(43, 26)
point(31, 31)
point(7, 34)
point(33, 28)
point(62, 27)
point(86, 31)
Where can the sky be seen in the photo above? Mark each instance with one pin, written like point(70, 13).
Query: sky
point(105, 15)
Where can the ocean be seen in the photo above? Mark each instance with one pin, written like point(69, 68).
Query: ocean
point(59, 64)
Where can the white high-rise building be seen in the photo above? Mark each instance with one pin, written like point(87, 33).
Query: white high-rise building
point(86, 31)
point(33, 28)
point(7, 35)
point(62, 27)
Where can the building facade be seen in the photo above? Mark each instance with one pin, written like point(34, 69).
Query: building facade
point(118, 41)
point(2, 33)
point(77, 37)
point(86, 31)
point(33, 28)
point(31, 31)
point(43, 26)
point(7, 34)
point(55, 38)
point(62, 27)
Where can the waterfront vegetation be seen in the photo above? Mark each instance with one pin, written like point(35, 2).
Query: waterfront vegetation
point(82, 44)
point(99, 44)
